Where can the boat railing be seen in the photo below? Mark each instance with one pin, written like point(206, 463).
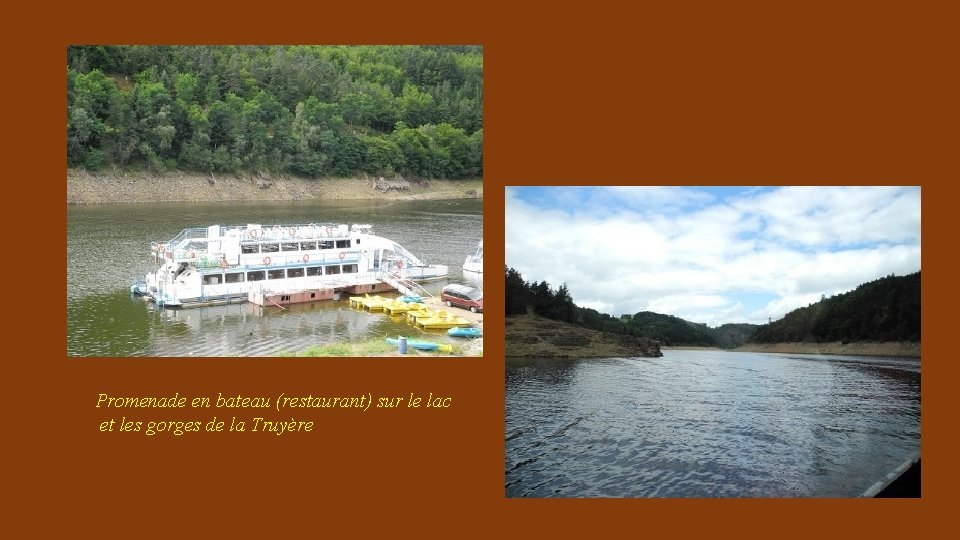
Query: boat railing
point(297, 231)
point(401, 283)
point(205, 261)
point(269, 260)
point(200, 257)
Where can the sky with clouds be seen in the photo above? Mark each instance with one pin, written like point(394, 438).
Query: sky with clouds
point(713, 254)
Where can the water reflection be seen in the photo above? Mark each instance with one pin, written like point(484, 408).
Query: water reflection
point(708, 424)
point(108, 246)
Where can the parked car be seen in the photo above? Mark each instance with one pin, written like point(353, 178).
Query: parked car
point(462, 296)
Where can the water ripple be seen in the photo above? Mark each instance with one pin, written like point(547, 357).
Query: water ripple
point(708, 424)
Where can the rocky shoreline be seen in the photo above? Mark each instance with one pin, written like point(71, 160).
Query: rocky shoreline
point(888, 348)
point(84, 187)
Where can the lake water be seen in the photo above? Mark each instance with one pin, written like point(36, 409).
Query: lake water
point(701, 423)
point(109, 245)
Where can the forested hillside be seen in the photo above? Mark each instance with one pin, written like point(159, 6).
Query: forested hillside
point(732, 335)
point(887, 309)
point(542, 299)
point(314, 111)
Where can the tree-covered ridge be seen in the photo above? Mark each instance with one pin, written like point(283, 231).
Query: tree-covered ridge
point(732, 335)
point(669, 329)
point(542, 299)
point(887, 309)
point(314, 111)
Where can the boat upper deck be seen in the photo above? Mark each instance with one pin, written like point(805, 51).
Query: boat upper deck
point(191, 241)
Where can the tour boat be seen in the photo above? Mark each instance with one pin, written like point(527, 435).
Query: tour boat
point(474, 263)
point(223, 264)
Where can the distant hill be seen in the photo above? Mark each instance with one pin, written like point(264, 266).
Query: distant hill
point(676, 331)
point(732, 335)
point(670, 330)
point(887, 309)
point(543, 300)
point(536, 336)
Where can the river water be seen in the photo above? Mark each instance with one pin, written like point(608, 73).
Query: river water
point(109, 245)
point(701, 423)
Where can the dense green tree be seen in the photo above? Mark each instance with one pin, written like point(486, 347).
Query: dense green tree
point(886, 309)
point(310, 110)
point(382, 156)
point(562, 308)
point(187, 86)
point(516, 293)
point(542, 298)
point(415, 145)
point(415, 107)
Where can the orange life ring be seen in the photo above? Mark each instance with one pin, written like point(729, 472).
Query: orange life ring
point(306, 258)
point(292, 231)
point(342, 255)
point(266, 260)
point(252, 233)
point(223, 264)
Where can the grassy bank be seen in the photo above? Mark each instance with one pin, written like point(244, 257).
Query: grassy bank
point(84, 187)
point(534, 336)
point(888, 348)
point(371, 347)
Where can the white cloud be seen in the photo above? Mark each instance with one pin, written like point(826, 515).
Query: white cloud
point(696, 257)
point(824, 216)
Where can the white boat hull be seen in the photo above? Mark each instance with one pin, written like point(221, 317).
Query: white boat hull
point(473, 264)
point(222, 264)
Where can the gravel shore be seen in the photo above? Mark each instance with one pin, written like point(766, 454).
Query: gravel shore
point(84, 187)
point(888, 348)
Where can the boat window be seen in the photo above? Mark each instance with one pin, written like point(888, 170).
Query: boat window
point(272, 247)
point(349, 269)
point(335, 269)
point(290, 246)
point(275, 274)
point(314, 270)
point(326, 244)
point(295, 272)
point(258, 275)
point(249, 247)
point(212, 279)
point(343, 244)
point(234, 277)
point(308, 245)
point(357, 242)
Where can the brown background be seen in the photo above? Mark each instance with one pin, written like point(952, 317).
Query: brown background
point(725, 93)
